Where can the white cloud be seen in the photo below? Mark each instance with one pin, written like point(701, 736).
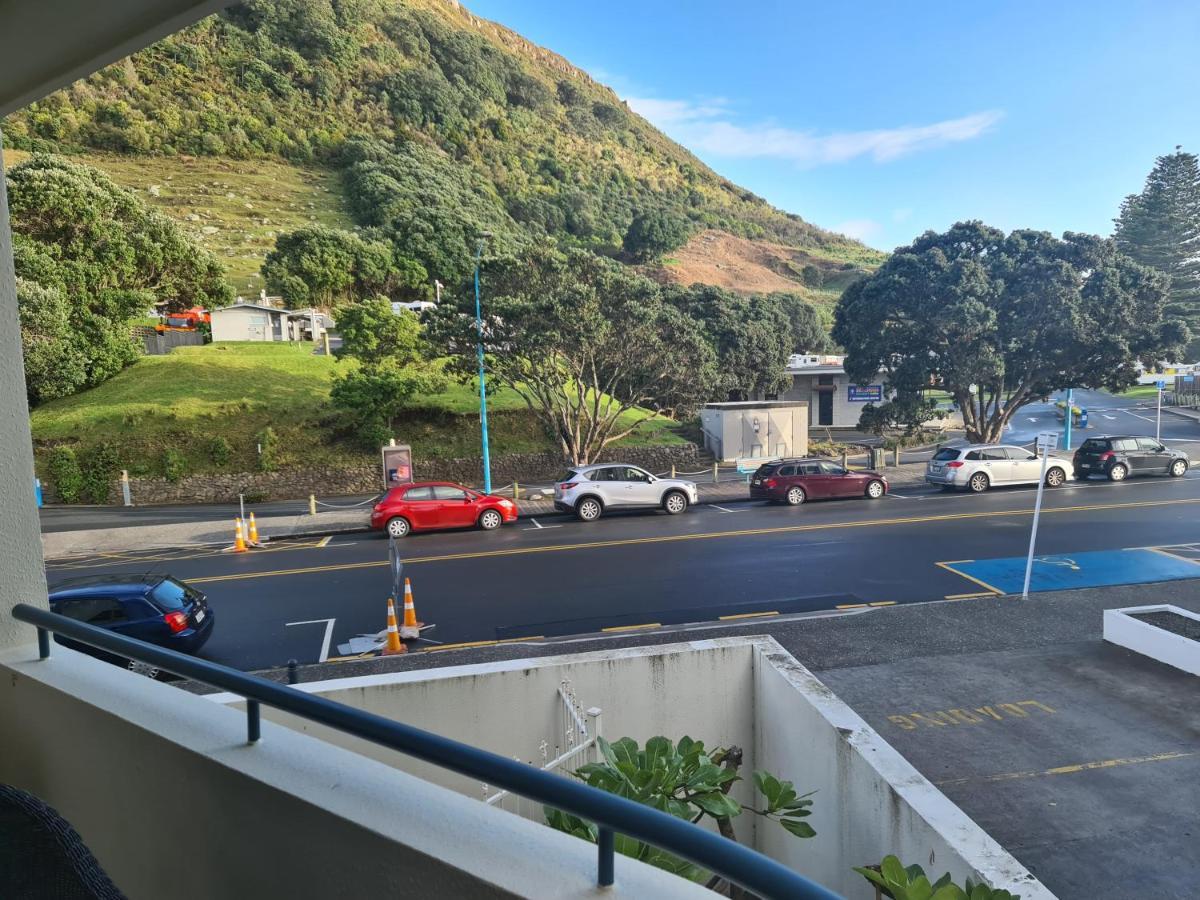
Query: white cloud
point(706, 125)
point(859, 229)
point(902, 215)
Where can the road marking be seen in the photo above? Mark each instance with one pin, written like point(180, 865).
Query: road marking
point(535, 522)
point(467, 644)
point(883, 603)
point(970, 596)
point(851, 606)
point(328, 634)
point(723, 509)
point(899, 496)
point(753, 615)
point(1111, 418)
point(324, 542)
point(710, 535)
point(1172, 555)
point(958, 715)
point(633, 627)
point(1071, 770)
point(947, 567)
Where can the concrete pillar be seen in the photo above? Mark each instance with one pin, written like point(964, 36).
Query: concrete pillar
point(22, 576)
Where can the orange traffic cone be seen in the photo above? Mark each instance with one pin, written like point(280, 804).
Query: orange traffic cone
point(253, 535)
point(239, 539)
point(393, 645)
point(411, 629)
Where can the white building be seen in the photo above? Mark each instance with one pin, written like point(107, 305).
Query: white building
point(260, 322)
point(821, 382)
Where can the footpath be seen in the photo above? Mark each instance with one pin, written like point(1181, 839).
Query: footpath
point(219, 532)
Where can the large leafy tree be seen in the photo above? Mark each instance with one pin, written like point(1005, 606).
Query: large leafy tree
point(653, 233)
point(1160, 228)
point(91, 256)
point(319, 266)
point(590, 346)
point(1016, 316)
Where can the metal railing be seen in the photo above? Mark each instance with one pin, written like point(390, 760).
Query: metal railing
point(611, 814)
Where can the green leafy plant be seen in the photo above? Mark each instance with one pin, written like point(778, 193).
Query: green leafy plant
point(268, 450)
point(174, 466)
point(690, 782)
point(893, 879)
point(65, 474)
point(220, 450)
point(99, 468)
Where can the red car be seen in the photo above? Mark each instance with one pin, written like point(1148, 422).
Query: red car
point(793, 481)
point(430, 505)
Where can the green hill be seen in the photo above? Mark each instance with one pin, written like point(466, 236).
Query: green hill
point(415, 118)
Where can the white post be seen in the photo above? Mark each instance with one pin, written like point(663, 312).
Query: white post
point(1158, 417)
point(242, 505)
point(1044, 443)
point(125, 497)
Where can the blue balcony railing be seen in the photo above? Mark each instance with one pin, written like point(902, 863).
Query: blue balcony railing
point(612, 814)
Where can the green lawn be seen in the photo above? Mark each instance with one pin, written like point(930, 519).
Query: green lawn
point(183, 400)
point(1144, 391)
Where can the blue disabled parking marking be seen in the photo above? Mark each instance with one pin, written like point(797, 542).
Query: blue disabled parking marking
point(1078, 570)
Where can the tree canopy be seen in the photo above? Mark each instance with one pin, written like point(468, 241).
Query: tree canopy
point(653, 233)
point(1160, 228)
point(90, 256)
point(590, 346)
point(1018, 315)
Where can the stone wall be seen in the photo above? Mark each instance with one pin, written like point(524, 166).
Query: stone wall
point(290, 484)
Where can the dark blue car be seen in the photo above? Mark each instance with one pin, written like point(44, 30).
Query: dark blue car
point(157, 609)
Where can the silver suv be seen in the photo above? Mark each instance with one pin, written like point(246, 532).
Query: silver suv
point(978, 467)
point(588, 491)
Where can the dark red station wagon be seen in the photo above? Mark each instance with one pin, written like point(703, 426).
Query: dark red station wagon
point(794, 481)
point(433, 505)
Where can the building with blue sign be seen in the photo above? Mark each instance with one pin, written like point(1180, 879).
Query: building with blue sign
point(821, 382)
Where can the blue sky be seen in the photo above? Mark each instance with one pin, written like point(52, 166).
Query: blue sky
point(884, 119)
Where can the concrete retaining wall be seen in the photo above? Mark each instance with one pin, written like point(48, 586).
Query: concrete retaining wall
point(366, 479)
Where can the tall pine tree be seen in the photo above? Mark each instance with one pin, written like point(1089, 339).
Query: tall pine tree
point(1160, 228)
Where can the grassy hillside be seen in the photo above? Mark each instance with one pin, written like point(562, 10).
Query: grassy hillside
point(180, 401)
point(434, 123)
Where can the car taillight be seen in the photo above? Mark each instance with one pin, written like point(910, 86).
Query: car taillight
point(568, 485)
point(770, 482)
point(1107, 454)
point(956, 464)
point(176, 621)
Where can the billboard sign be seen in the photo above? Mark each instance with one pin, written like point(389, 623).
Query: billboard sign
point(865, 393)
point(397, 465)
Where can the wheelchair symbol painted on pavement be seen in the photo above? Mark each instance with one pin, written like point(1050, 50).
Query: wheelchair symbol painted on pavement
point(1058, 561)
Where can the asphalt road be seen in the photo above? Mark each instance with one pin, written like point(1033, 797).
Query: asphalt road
point(555, 577)
point(1106, 415)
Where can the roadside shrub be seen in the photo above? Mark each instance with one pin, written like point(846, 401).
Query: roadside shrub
point(220, 450)
point(99, 467)
point(173, 465)
point(65, 475)
point(268, 450)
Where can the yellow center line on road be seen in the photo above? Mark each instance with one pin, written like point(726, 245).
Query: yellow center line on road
point(1068, 770)
point(708, 535)
point(754, 615)
point(633, 627)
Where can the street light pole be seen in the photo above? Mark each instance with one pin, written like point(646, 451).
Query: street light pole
point(1068, 418)
point(487, 463)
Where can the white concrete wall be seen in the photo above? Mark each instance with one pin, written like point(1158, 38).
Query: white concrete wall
point(845, 413)
point(22, 577)
point(164, 790)
point(233, 324)
point(748, 691)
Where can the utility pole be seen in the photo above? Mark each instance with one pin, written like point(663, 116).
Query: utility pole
point(1069, 418)
point(1160, 384)
point(483, 426)
point(1044, 443)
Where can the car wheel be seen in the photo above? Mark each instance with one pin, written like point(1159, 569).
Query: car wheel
point(1178, 468)
point(1118, 472)
point(979, 483)
point(1055, 478)
point(675, 502)
point(398, 527)
point(141, 668)
point(875, 489)
point(490, 520)
point(796, 496)
point(588, 509)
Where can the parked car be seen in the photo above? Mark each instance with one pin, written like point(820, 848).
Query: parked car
point(157, 609)
point(590, 491)
point(795, 481)
point(978, 467)
point(434, 505)
point(1119, 457)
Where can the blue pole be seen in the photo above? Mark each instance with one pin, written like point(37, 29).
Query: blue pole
point(487, 463)
point(1069, 417)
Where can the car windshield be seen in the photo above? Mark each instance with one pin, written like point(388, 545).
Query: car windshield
point(767, 469)
point(1092, 445)
point(945, 453)
point(170, 594)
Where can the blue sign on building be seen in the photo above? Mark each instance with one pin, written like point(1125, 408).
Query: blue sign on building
point(865, 393)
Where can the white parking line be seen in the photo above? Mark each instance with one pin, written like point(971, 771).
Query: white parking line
point(328, 634)
point(723, 509)
point(538, 526)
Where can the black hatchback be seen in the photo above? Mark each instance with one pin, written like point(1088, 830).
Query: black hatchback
point(157, 609)
point(1122, 456)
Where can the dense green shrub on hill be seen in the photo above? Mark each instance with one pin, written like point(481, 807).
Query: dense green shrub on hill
point(89, 257)
point(653, 233)
point(65, 474)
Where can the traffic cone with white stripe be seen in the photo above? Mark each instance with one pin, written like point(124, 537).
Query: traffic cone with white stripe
point(411, 629)
point(393, 645)
point(253, 535)
point(239, 538)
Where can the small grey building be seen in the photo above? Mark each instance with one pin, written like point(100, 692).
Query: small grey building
point(822, 383)
point(251, 322)
point(755, 429)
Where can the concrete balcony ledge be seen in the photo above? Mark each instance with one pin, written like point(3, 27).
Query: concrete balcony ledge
point(164, 790)
point(869, 800)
